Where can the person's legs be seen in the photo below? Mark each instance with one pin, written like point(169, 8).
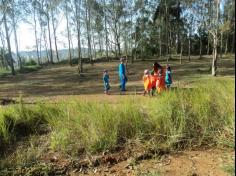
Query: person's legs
point(153, 90)
point(122, 82)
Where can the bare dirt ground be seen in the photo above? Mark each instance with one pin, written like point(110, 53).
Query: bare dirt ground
point(61, 82)
point(208, 162)
point(58, 80)
point(187, 163)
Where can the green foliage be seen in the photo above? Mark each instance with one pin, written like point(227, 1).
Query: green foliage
point(30, 68)
point(31, 62)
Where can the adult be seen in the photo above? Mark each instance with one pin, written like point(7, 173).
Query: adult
point(122, 75)
point(155, 68)
point(154, 73)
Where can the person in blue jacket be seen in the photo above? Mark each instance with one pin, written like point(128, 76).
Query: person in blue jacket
point(122, 75)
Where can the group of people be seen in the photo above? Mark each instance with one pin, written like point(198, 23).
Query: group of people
point(157, 80)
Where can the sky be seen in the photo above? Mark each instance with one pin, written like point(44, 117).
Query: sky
point(26, 37)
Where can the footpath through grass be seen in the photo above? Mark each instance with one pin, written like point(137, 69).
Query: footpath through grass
point(174, 120)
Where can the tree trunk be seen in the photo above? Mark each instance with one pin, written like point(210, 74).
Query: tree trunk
point(54, 34)
point(214, 59)
point(181, 50)
point(221, 44)
point(94, 48)
point(100, 44)
point(46, 46)
point(88, 16)
point(215, 40)
point(226, 43)
point(68, 34)
point(16, 40)
point(208, 45)
point(160, 42)
point(233, 43)
point(169, 45)
point(105, 21)
point(40, 42)
point(50, 41)
point(8, 42)
point(77, 14)
point(16, 44)
point(135, 45)
point(200, 46)
point(189, 48)
point(35, 36)
point(167, 31)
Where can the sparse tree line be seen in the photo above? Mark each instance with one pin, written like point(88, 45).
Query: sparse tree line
point(114, 28)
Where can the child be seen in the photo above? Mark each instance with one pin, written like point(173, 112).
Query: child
point(160, 83)
point(147, 82)
point(168, 79)
point(106, 82)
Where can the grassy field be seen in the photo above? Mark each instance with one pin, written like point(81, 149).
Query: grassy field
point(71, 119)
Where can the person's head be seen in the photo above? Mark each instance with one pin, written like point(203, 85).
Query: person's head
point(146, 72)
point(105, 72)
point(122, 60)
point(168, 67)
point(156, 66)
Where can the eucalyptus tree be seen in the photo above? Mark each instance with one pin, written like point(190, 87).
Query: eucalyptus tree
point(5, 7)
point(16, 15)
point(77, 14)
point(54, 10)
point(34, 9)
point(213, 29)
point(88, 4)
point(45, 21)
point(67, 9)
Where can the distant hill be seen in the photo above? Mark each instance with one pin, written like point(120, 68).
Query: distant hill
point(63, 53)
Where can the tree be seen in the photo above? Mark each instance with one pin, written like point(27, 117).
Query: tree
point(214, 29)
point(5, 7)
point(77, 6)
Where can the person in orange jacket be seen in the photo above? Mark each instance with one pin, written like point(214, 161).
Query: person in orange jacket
point(147, 82)
point(160, 83)
point(154, 74)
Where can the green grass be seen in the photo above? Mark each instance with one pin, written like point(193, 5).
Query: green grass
point(230, 169)
point(174, 120)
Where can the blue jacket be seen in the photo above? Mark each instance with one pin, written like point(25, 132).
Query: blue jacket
point(168, 78)
point(121, 70)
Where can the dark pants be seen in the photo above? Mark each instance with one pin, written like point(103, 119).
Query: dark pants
point(122, 83)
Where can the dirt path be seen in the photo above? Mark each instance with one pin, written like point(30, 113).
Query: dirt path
point(211, 162)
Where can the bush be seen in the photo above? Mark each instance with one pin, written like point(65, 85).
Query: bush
point(31, 62)
point(28, 69)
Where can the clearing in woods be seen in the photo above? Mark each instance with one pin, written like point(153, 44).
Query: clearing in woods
point(63, 80)
point(58, 82)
